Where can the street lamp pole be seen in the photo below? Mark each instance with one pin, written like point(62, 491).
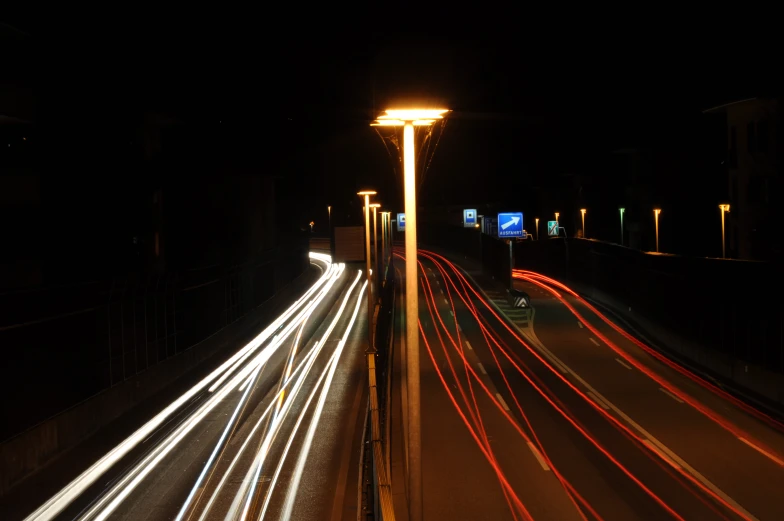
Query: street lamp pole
point(384, 235)
point(724, 209)
point(621, 210)
point(375, 207)
point(408, 119)
point(582, 211)
point(366, 195)
point(537, 228)
point(656, 213)
point(556, 217)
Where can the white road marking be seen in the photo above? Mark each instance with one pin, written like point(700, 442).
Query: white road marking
point(441, 290)
point(538, 456)
point(450, 312)
point(482, 368)
point(502, 402)
point(762, 451)
point(627, 366)
point(468, 345)
point(446, 301)
point(594, 341)
point(639, 428)
point(459, 328)
point(661, 454)
point(598, 400)
point(580, 324)
point(668, 393)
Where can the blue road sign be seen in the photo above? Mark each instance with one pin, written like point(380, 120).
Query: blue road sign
point(469, 218)
point(552, 228)
point(401, 222)
point(510, 224)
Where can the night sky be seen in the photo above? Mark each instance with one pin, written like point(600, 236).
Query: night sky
point(529, 102)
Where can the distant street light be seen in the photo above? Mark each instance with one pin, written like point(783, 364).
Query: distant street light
point(329, 217)
point(621, 210)
point(656, 212)
point(582, 211)
point(556, 216)
point(375, 207)
point(725, 208)
point(537, 228)
point(408, 119)
point(366, 194)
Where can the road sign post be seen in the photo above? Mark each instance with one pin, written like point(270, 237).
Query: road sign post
point(511, 262)
point(401, 222)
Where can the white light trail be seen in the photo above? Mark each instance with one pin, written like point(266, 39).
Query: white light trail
point(276, 425)
point(106, 505)
point(236, 459)
point(64, 497)
point(218, 445)
point(305, 451)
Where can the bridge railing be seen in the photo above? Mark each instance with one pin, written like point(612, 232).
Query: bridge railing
point(377, 504)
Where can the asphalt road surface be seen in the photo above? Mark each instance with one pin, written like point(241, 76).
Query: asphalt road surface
point(539, 414)
point(274, 433)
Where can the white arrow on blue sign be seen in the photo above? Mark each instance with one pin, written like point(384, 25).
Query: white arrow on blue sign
point(510, 224)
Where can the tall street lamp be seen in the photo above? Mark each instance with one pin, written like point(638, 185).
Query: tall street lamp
point(621, 210)
point(366, 194)
point(582, 211)
point(329, 217)
point(375, 207)
point(556, 216)
point(656, 212)
point(725, 208)
point(408, 119)
point(384, 235)
point(537, 228)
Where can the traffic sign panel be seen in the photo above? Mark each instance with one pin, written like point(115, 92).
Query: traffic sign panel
point(401, 222)
point(469, 218)
point(552, 228)
point(510, 224)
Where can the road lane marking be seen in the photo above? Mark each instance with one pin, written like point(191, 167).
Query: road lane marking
point(446, 301)
point(468, 345)
point(580, 324)
point(450, 312)
point(668, 393)
point(762, 451)
point(661, 454)
point(441, 290)
point(639, 428)
point(482, 368)
point(627, 366)
point(598, 400)
point(459, 328)
point(502, 401)
point(538, 456)
point(594, 341)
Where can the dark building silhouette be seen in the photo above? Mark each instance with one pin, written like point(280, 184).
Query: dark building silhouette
point(753, 164)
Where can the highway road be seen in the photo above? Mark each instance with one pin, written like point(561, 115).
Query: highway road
point(564, 415)
point(273, 433)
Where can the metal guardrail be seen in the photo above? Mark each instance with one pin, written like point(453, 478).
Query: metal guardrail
point(381, 479)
